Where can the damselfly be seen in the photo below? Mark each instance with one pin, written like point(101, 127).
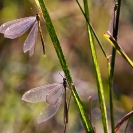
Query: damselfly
point(18, 27)
point(52, 95)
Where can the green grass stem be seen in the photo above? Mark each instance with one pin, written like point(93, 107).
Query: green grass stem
point(84, 117)
point(92, 29)
point(97, 72)
point(112, 65)
point(118, 48)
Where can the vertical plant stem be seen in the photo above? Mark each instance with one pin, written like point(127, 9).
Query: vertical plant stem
point(97, 72)
point(93, 31)
point(84, 117)
point(111, 73)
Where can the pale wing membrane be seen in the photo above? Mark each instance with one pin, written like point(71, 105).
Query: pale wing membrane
point(38, 94)
point(112, 23)
point(31, 51)
point(18, 29)
point(48, 111)
point(4, 26)
point(54, 94)
point(31, 39)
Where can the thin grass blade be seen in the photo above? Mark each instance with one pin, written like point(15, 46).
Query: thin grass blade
point(92, 29)
point(113, 31)
point(48, 111)
point(118, 48)
point(56, 43)
point(127, 116)
point(97, 73)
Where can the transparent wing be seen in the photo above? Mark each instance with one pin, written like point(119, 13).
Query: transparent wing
point(54, 94)
point(4, 26)
point(112, 23)
point(38, 94)
point(19, 28)
point(31, 39)
point(31, 51)
point(48, 111)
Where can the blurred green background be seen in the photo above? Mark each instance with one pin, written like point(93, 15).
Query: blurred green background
point(19, 72)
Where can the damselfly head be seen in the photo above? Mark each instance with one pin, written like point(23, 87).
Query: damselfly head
point(37, 17)
point(64, 81)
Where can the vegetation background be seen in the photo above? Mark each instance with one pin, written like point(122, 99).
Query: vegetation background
point(19, 72)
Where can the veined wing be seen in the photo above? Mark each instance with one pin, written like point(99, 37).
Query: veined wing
point(31, 39)
point(19, 28)
point(31, 51)
point(54, 94)
point(48, 111)
point(38, 94)
point(4, 26)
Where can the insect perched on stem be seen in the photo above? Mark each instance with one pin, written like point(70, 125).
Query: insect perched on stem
point(15, 28)
point(52, 95)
